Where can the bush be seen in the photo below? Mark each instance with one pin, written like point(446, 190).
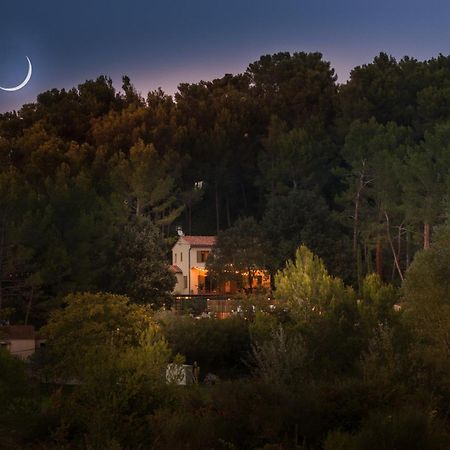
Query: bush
point(24, 416)
point(338, 440)
point(218, 346)
point(404, 430)
point(89, 321)
point(121, 389)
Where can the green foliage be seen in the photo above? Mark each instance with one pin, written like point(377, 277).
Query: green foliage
point(427, 314)
point(218, 346)
point(241, 414)
point(239, 250)
point(375, 156)
point(121, 389)
point(326, 330)
point(92, 185)
point(299, 87)
point(295, 158)
point(401, 430)
point(143, 180)
point(88, 321)
point(262, 326)
point(427, 295)
point(307, 288)
point(338, 440)
point(383, 367)
point(263, 145)
point(22, 412)
point(280, 359)
point(427, 167)
point(68, 113)
point(409, 429)
point(303, 217)
point(379, 299)
point(13, 378)
point(385, 89)
point(139, 270)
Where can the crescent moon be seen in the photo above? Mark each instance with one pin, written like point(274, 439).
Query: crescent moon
point(24, 82)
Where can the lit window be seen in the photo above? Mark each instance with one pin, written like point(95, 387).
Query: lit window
point(202, 255)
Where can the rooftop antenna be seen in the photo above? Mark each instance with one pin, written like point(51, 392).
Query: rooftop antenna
point(180, 231)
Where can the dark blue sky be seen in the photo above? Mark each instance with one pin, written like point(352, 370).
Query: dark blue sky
point(163, 43)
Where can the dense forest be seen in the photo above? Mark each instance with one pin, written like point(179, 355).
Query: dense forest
point(357, 172)
point(339, 190)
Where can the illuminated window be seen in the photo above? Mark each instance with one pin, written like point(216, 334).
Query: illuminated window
point(202, 255)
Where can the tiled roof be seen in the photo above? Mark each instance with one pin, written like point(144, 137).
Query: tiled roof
point(175, 269)
point(17, 332)
point(207, 241)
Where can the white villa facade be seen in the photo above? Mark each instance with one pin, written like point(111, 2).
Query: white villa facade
point(189, 256)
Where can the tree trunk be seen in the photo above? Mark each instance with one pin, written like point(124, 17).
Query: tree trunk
point(138, 206)
point(217, 208)
point(368, 257)
point(244, 196)
point(408, 239)
point(379, 257)
point(398, 251)
point(359, 268)
point(356, 216)
point(426, 235)
point(355, 220)
point(388, 231)
point(30, 301)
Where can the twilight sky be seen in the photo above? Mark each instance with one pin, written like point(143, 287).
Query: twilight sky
point(162, 43)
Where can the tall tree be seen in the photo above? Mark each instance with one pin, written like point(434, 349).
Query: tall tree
point(307, 288)
point(139, 266)
point(425, 179)
point(300, 87)
point(239, 252)
point(373, 154)
point(144, 179)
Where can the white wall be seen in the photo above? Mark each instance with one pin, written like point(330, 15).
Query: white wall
point(186, 264)
point(181, 248)
point(22, 348)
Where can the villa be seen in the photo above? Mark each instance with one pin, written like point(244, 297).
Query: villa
point(189, 256)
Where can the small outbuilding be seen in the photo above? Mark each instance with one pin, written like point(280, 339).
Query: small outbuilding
point(19, 340)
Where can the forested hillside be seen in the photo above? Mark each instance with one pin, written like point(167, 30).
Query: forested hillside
point(341, 191)
point(94, 182)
